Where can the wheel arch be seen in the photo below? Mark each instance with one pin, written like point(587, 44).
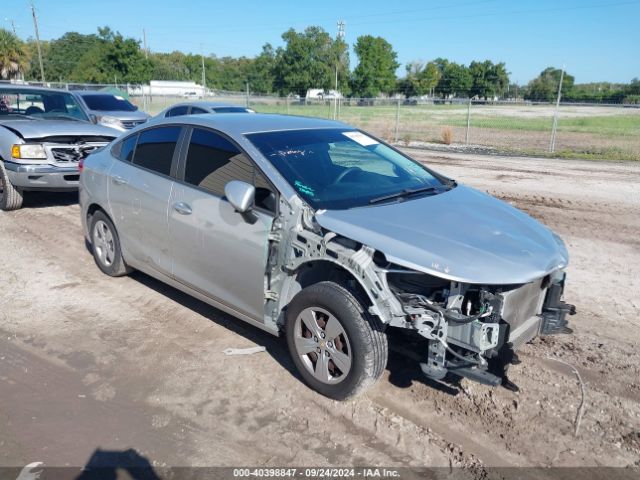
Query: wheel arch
point(92, 209)
point(314, 271)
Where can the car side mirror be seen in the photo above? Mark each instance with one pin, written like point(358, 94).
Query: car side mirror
point(92, 118)
point(240, 194)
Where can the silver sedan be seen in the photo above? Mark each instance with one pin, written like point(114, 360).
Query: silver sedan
point(195, 108)
point(322, 232)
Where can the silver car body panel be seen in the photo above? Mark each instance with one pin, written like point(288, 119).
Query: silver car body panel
point(462, 235)
point(139, 199)
point(37, 129)
point(215, 250)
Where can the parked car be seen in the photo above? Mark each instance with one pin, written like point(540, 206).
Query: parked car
point(191, 94)
point(321, 231)
point(192, 108)
point(111, 110)
point(44, 133)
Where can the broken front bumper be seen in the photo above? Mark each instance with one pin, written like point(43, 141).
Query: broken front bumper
point(43, 176)
point(481, 349)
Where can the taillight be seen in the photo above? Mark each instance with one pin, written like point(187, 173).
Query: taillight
point(81, 165)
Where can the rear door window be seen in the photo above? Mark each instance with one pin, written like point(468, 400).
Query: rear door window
point(155, 147)
point(195, 110)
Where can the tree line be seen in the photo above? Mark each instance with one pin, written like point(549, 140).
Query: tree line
point(307, 59)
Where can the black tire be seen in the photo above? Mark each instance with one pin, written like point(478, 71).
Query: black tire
point(10, 196)
point(106, 246)
point(366, 343)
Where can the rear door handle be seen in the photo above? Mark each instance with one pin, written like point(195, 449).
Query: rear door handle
point(118, 180)
point(182, 208)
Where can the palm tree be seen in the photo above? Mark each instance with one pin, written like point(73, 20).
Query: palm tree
point(13, 55)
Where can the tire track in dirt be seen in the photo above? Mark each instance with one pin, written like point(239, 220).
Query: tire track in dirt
point(169, 347)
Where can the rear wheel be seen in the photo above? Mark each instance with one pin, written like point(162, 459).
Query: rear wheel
point(10, 196)
point(105, 246)
point(337, 347)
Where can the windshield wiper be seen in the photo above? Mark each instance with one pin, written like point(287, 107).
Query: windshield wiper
point(404, 193)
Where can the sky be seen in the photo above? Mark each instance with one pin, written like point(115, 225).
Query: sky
point(597, 40)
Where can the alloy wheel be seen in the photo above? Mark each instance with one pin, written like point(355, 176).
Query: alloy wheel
point(323, 345)
point(103, 243)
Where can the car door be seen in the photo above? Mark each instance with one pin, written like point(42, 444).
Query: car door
point(139, 198)
point(216, 250)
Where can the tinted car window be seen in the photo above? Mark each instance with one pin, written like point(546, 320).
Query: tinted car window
point(155, 149)
point(108, 103)
point(198, 110)
point(213, 161)
point(127, 146)
point(174, 112)
point(231, 110)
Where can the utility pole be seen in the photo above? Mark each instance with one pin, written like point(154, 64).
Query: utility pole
point(204, 77)
point(35, 25)
point(144, 40)
point(466, 135)
point(341, 26)
point(247, 93)
point(552, 146)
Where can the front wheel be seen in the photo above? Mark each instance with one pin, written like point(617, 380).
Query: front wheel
point(10, 196)
point(337, 346)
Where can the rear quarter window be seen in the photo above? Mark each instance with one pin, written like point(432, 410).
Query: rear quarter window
point(124, 150)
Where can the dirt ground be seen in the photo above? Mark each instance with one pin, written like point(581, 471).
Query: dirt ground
point(92, 363)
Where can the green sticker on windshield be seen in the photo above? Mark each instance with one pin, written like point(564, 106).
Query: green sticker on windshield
point(302, 188)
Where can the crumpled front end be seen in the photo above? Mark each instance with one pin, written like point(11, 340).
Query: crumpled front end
point(471, 327)
point(472, 330)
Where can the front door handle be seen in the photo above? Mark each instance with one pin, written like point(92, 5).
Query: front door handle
point(118, 180)
point(182, 208)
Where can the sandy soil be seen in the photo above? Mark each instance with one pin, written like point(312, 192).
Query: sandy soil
point(89, 362)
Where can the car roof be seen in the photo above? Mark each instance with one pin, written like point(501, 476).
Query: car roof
point(15, 86)
point(206, 104)
point(235, 124)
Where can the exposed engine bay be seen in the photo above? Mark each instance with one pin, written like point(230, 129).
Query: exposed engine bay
point(474, 330)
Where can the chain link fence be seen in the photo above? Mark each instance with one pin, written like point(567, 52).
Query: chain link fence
point(610, 131)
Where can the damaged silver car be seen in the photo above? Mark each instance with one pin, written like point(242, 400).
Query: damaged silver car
point(322, 232)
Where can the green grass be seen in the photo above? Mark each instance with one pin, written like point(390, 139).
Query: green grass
point(601, 154)
point(607, 126)
point(455, 116)
point(516, 128)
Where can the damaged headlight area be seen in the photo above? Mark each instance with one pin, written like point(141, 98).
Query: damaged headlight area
point(473, 330)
